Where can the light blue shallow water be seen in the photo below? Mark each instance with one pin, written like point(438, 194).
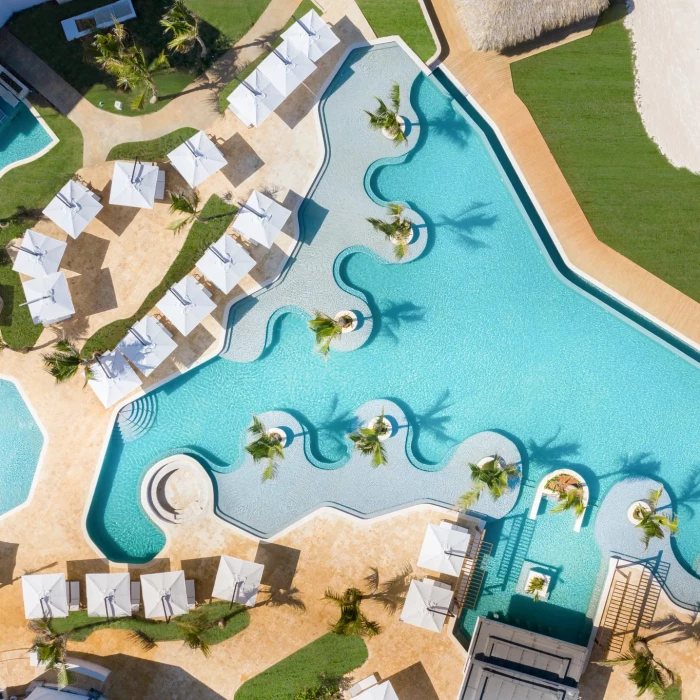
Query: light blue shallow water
point(21, 134)
point(20, 446)
point(480, 333)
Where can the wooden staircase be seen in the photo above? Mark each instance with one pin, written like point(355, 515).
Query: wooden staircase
point(472, 575)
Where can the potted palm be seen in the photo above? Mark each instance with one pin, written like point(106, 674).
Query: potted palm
point(569, 492)
point(50, 649)
point(368, 439)
point(267, 446)
point(386, 119)
point(327, 328)
point(352, 620)
point(652, 524)
point(492, 474)
point(398, 229)
point(537, 585)
point(65, 361)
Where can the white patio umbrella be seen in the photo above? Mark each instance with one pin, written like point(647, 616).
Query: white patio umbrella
point(261, 219)
point(38, 255)
point(444, 548)
point(254, 99)
point(73, 208)
point(44, 595)
point(108, 595)
point(237, 580)
point(134, 184)
point(197, 158)
point(225, 263)
point(48, 299)
point(383, 691)
point(286, 68)
point(164, 594)
point(147, 344)
point(426, 605)
point(186, 304)
point(112, 378)
point(311, 36)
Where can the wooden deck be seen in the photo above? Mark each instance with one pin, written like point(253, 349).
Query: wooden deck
point(486, 75)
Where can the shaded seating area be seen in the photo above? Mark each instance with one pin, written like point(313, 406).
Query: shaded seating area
point(135, 184)
point(48, 299)
point(112, 378)
point(254, 99)
point(260, 219)
point(444, 548)
point(186, 304)
point(45, 596)
point(237, 580)
point(108, 595)
point(311, 36)
point(73, 208)
point(147, 345)
point(225, 263)
point(166, 594)
point(427, 604)
point(38, 255)
point(196, 159)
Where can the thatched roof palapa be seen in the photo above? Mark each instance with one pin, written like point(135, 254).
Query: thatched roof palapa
point(496, 24)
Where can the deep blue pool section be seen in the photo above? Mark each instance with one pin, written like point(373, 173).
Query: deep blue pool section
point(21, 133)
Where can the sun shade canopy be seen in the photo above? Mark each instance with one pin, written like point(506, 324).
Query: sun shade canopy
point(427, 604)
point(254, 99)
point(45, 595)
point(113, 378)
point(286, 68)
point(108, 595)
point(311, 36)
point(38, 255)
point(164, 594)
point(186, 304)
point(48, 299)
point(238, 580)
point(225, 263)
point(196, 159)
point(444, 548)
point(134, 184)
point(147, 344)
point(383, 691)
point(73, 208)
point(260, 219)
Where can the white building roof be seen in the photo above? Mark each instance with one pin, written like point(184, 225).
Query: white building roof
point(286, 68)
point(238, 580)
point(186, 304)
point(113, 378)
point(48, 299)
point(134, 184)
point(427, 604)
point(261, 219)
point(197, 158)
point(311, 36)
point(254, 99)
point(108, 595)
point(147, 344)
point(225, 263)
point(73, 208)
point(45, 595)
point(164, 594)
point(38, 255)
point(444, 548)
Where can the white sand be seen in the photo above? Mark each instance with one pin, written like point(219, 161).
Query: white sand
point(666, 38)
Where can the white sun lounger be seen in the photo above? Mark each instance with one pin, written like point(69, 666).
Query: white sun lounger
point(73, 595)
point(135, 596)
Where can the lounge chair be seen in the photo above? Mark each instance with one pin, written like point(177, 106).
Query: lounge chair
point(189, 587)
point(160, 185)
point(73, 595)
point(135, 596)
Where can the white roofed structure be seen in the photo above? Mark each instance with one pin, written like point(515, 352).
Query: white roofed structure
point(444, 549)
point(381, 691)
point(38, 255)
point(186, 304)
point(311, 36)
point(134, 184)
point(254, 99)
point(112, 378)
point(45, 595)
point(197, 158)
point(427, 604)
point(260, 219)
point(108, 595)
point(164, 594)
point(48, 299)
point(147, 344)
point(286, 68)
point(73, 208)
point(225, 263)
point(237, 580)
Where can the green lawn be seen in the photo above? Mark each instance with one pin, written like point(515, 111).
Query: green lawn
point(200, 236)
point(79, 626)
point(246, 70)
point(223, 24)
point(32, 187)
point(155, 151)
point(581, 95)
point(402, 17)
point(331, 656)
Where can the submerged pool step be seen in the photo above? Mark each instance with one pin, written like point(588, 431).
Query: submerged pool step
point(136, 418)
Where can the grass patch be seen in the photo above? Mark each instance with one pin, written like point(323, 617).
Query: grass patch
point(582, 97)
point(331, 656)
point(402, 17)
point(248, 68)
point(31, 187)
point(156, 150)
point(200, 236)
point(223, 23)
point(79, 626)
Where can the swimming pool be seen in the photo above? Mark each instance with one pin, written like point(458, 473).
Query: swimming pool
point(480, 333)
point(21, 442)
point(21, 135)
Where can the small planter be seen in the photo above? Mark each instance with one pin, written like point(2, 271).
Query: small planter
point(284, 436)
point(542, 594)
point(490, 458)
point(402, 125)
point(347, 314)
point(636, 506)
point(389, 428)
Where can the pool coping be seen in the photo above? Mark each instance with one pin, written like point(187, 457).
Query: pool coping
point(38, 154)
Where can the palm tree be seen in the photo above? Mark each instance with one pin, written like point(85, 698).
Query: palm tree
point(367, 441)
point(651, 523)
point(64, 363)
point(397, 229)
point(648, 673)
point(143, 639)
point(387, 119)
point(536, 586)
point(493, 475)
point(352, 620)
point(50, 649)
point(183, 24)
point(193, 633)
point(181, 203)
point(266, 446)
point(570, 498)
point(327, 329)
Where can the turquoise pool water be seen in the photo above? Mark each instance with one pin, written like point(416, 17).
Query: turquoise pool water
point(20, 446)
point(480, 333)
point(21, 134)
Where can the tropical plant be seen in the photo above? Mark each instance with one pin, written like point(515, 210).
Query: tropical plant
point(352, 620)
point(535, 586)
point(50, 649)
point(267, 446)
point(65, 361)
point(652, 524)
point(143, 639)
point(398, 229)
point(648, 674)
point(368, 441)
point(493, 475)
point(569, 493)
point(182, 203)
point(128, 64)
point(328, 690)
point(183, 24)
point(387, 118)
point(193, 633)
point(326, 329)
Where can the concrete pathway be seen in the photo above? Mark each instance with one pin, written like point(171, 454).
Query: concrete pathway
point(196, 107)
